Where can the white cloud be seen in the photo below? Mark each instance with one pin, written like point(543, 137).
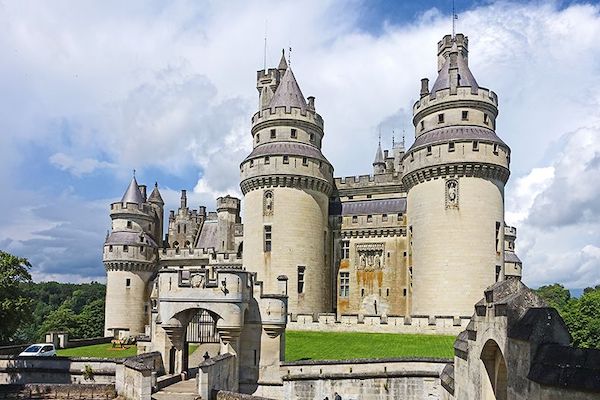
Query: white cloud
point(78, 167)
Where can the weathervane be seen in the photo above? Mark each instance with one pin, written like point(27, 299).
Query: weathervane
point(454, 18)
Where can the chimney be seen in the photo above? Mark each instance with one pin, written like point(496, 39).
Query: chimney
point(453, 70)
point(172, 215)
point(311, 102)
point(424, 87)
point(183, 199)
point(143, 191)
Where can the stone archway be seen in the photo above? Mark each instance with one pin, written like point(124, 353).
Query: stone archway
point(494, 382)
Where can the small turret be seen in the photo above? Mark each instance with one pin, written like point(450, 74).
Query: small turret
point(379, 162)
point(132, 194)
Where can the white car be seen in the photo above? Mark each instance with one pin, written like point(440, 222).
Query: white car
point(39, 350)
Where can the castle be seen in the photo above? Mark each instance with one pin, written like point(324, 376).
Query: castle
point(422, 236)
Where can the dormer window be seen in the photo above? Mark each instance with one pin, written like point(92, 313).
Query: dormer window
point(294, 134)
point(440, 118)
point(273, 133)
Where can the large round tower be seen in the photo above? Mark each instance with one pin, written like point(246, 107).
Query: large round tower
point(455, 174)
point(130, 256)
point(287, 182)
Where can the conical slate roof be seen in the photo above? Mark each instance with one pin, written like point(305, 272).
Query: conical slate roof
point(288, 93)
point(155, 196)
point(465, 77)
point(133, 194)
point(379, 156)
point(282, 63)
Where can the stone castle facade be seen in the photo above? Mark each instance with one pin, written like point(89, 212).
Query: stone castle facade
point(421, 237)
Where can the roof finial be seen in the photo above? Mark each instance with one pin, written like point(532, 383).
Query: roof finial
point(380, 136)
point(134, 172)
point(265, 50)
point(290, 56)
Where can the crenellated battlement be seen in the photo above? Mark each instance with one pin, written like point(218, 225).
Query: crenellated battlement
point(228, 203)
point(269, 114)
point(358, 181)
point(464, 93)
point(130, 208)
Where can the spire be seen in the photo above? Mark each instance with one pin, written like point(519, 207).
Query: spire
point(379, 155)
point(288, 93)
point(453, 55)
point(282, 63)
point(132, 194)
point(155, 196)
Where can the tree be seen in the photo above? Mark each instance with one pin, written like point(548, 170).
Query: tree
point(91, 320)
point(63, 319)
point(554, 295)
point(582, 316)
point(15, 306)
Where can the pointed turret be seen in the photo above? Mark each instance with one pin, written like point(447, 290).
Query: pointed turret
point(288, 93)
point(155, 196)
point(133, 194)
point(283, 65)
point(453, 65)
point(379, 162)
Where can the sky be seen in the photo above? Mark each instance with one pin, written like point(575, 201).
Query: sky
point(90, 91)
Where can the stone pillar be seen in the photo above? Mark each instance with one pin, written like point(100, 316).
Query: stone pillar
point(176, 334)
point(230, 343)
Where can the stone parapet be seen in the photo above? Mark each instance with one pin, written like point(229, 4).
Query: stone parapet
point(262, 118)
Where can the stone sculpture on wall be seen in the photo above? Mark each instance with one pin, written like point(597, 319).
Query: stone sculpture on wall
point(268, 203)
point(451, 193)
point(370, 256)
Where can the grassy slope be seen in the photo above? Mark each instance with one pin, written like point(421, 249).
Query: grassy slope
point(348, 345)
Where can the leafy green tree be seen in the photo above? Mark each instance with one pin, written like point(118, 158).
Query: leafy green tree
point(582, 316)
point(63, 319)
point(91, 320)
point(15, 306)
point(556, 295)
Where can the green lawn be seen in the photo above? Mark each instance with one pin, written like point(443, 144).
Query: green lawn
point(105, 351)
point(348, 345)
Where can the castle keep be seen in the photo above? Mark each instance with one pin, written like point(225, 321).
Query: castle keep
point(421, 237)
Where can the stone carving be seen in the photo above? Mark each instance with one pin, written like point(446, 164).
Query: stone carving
point(370, 256)
point(198, 281)
point(268, 203)
point(451, 193)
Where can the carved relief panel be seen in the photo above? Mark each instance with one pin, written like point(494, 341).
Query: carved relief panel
point(268, 203)
point(369, 256)
point(451, 193)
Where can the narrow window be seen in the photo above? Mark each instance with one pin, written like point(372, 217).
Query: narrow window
point(128, 282)
point(286, 159)
point(412, 157)
point(267, 160)
point(404, 292)
point(258, 138)
point(384, 217)
point(485, 119)
point(301, 271)
point(350, 197)
point(344, 284)
point(294, 134)
point(251, 163)
point(451, 146)
point(129, 224)
point(141, 249)
point(362, 292)
point(475, 145)
point(440, 118)
point(495, 149)
point(465, 115)
point(304, 161)
point(312, 137)
point(345, 249)
point(178, 228)
point(400, 216)
point(273, 133)
point(267, 234)
point(498, 237)
point(387, 292)
point(110, 248)
point(125, 248)
point(369, 196)
point(422, 125)
point(428, 150)
point(369, 218)
point(185, 229)
point(354, 219)
point(498, 270)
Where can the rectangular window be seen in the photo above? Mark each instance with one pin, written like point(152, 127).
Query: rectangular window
point(422, 125)
point(428, 150)
point(465, 115)
point(312, 137)
point(412, 157)
point(110, 248)
point(495, 149)
point(440, 118)
point(304, 161)
point(251, 163)
point(258, 138)
point(268, 238)
point(387, 292)
point(404, 292)
point(125, 248)
point(369, 218)
point(498, 270)
point(294, 134)
point(267, 160)
point(475, 146)
point(184, 277)
point(369, 196)
point(362, 292)
point(344, 284)
point(451, 146)
point(485, 119)
point(498, 243)
point(345, 249)
point(129, 224)
point(286, 159)
point(354, 219)
point(127, 282)
point(273, 134)
point(400, 216)
point(301, 272)
point(384, 217)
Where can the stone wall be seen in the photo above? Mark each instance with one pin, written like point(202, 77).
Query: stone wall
point(134, 377)
point(217, 373)
point(379, 379)
point(58, 391)
point(53, 370)
point(440, 325)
